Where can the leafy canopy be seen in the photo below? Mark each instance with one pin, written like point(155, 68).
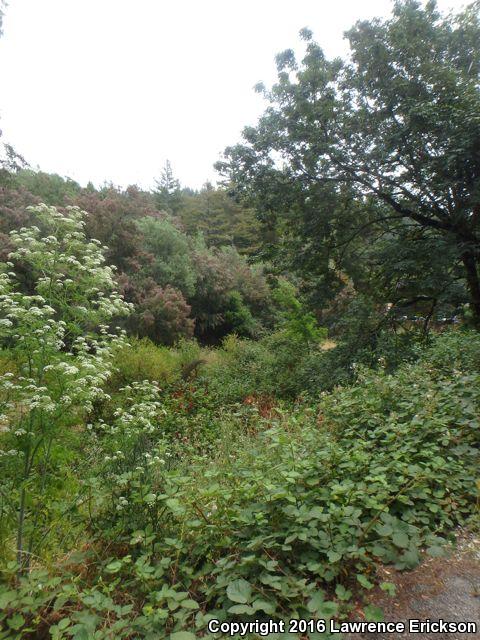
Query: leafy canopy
point(389, 139)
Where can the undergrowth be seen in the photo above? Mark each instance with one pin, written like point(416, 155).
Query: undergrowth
point(197, 511)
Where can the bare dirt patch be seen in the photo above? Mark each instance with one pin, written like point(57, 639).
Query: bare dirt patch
point(445, 588)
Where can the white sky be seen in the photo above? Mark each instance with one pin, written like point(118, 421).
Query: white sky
point(109, 89)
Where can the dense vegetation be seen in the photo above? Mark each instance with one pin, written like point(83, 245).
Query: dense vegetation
point(237, 402)
point(183, 276)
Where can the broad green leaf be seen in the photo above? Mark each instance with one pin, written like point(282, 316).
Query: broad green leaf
point(175, 506)
point(364, 581)
point(179, 595)
point(436, 551)
point(384, 529)
point(334, 556)
point(6, 597)
point(241, 608)
point(373, 613)
point(239, 591)
point(80, 632)
point(63, 624)
point(316, 601)
point(342, 593)
point(389, 587)
point(263, 605)
point(400, 539)
point(114, 567)
point(327, 610)
point(409, 559)
point(316, 512)
point(16, 622)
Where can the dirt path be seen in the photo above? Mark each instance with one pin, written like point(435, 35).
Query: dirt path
point(440, 588)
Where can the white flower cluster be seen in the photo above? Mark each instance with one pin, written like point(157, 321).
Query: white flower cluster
point(142, 414)
point(122, 503)
point(138, 423)
point(60, 370)
point(71, 271)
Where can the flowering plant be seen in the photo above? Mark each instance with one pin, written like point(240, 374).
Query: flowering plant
point(62, 349)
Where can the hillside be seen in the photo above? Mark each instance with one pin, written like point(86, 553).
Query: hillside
point(252, 409)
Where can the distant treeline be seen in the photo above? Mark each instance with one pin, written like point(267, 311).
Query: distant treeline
point(183, 257)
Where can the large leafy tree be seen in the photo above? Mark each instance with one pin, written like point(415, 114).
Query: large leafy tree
point(169, 249)
point(387, 140)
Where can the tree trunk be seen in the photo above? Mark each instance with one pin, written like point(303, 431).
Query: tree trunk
point(473, 284)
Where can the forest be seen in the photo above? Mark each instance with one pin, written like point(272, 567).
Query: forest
point(236, 403)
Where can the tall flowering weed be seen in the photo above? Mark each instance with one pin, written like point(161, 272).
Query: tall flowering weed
point(63, 350)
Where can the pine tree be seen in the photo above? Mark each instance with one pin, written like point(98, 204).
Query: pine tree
point(168, 196)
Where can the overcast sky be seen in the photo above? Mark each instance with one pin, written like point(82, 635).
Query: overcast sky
point(109, 89)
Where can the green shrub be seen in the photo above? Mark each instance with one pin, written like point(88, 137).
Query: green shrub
point(143, 360)
point(241, 370)
point(284, 516)
point(454, 350)
point(287, 522)
point(297, 324)
point(272, 366)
